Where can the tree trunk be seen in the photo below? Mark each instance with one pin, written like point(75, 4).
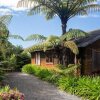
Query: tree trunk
point(64, 25)
point(64, 56)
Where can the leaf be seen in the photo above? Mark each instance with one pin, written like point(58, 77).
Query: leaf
point(35, 37)
point(6, 19)
point(73, 34)
point(15, 37)
point(72, 46)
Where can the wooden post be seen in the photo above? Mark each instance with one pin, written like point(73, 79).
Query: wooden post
point(75, 60)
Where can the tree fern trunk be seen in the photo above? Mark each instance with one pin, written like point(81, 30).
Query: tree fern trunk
point(64, 25)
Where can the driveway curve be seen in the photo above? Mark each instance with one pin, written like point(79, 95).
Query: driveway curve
point(36, 89)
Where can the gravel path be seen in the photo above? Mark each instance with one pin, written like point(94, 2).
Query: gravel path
point(36, 89)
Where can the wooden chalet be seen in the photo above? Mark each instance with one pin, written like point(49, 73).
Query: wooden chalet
point(89, 54)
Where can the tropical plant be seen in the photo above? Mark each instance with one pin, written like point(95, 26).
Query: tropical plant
point(4, 32)
point(64, 9)
point(6, 48)
point(65, 40)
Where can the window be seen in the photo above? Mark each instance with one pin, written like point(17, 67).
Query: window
point(49, 58)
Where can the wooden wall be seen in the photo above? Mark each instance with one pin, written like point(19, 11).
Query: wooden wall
point(43, 60)
point(87, 61)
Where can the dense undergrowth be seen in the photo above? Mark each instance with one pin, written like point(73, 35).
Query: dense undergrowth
point(86, 86)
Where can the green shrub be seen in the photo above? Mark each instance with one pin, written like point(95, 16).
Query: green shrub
point(60, 66)
point(54, 78)
point(28, 69)
point(37, 70)
point(70, 70)
point(68, 84)
point(87, 87)
point(45, 74)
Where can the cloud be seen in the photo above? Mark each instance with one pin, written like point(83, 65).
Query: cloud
point(89, 16)
point(10, 7)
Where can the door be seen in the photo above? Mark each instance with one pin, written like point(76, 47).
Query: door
point(38, 58)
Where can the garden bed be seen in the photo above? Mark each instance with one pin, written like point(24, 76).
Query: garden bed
point(86, 86)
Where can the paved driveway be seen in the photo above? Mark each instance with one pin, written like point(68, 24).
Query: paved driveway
point(36, 89)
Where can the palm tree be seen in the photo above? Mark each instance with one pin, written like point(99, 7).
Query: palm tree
point(64, 9)
point(65, 41)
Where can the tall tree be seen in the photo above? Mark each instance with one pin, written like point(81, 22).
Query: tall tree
point(5, 34)
point(64, 9)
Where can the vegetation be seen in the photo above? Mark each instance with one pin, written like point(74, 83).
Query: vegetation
point(9, 54)
point(1, 76)
point(85, 86)
point(65, 42)
point(12, 58)
point(7, 94)
point(64, 9)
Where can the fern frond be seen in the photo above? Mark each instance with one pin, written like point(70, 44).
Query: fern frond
point(72, 46)
point(15, 36)
point(73, 34)
point(36, 37)
point(6, 19)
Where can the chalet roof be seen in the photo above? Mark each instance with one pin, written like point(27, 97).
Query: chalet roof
point(92, 37)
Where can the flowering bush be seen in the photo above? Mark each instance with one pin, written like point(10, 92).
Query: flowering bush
point(7, 94)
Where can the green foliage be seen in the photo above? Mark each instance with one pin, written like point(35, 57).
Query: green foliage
point(73, 34)
point(62, 8)
point(1, 75)
point(45, 74)
point(37, 70)
point(14, 58)
point(7, 94)
point(3, 32)
point(6, 19)
point(28, 69)
point(70, 70)
point(68, 84)
point(86, 86)
point(60, 66)
point(53, 41)
point(89, 87)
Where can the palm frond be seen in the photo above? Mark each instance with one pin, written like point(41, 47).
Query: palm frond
point(40, 46)
point(73, 34)
point(63, 8)
point(15, 37)
point(72, 46)
point(36, 37)
point(91, 8)
point(6, 19)
point(54, 40)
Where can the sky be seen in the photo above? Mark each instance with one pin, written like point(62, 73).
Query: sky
point(24, 25)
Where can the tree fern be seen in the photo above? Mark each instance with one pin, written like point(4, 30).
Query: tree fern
point(53, 41)
point(64, 9)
